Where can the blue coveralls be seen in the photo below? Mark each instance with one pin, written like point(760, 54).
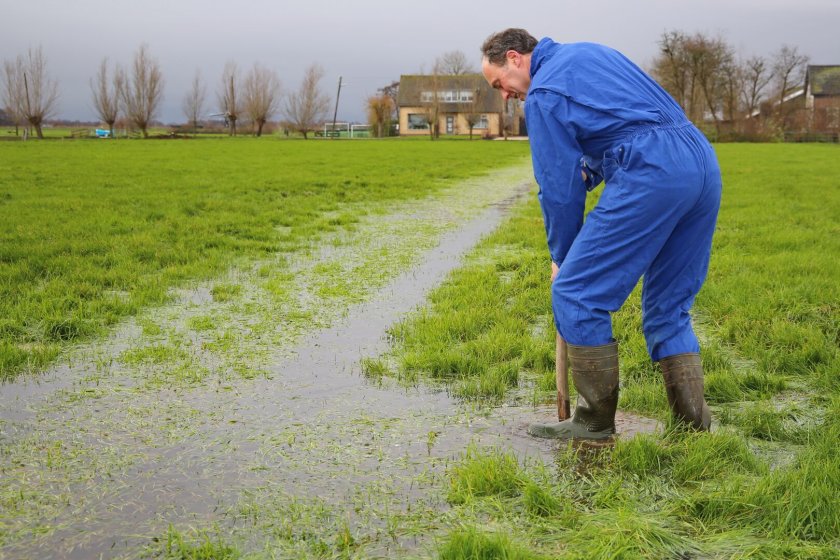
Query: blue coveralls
point(590, 109)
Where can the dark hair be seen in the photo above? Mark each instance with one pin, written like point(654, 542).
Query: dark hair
point(497, 44)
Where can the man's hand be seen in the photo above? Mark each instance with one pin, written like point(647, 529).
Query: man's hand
point(554, 270)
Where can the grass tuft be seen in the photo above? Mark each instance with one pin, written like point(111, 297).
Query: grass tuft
point(483, 473)
point(203, 547)
point(471, 544)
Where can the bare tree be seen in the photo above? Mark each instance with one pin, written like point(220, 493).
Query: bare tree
point(454, 63)
point(308, 106)
point(193, 103)
point(380, 110)
point(106, 94)
point(430, 100)
point(732, 83)
point(698, 71)
point(262, 96)
point(672, 69)
point(229, 102)
point(13, 91)
point(712, 58)
point(756, 78)
point(142, 90)
point(788, 70)
point(29, 91)
point(472, 111)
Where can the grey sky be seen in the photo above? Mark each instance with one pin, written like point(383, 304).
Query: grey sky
point(370, 42)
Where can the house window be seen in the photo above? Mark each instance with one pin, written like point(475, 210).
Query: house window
point(482, 122)
point(417, 121)
point(448, 96)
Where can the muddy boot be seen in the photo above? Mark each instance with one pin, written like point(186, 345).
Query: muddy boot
point(683, 376)
point(595, 372)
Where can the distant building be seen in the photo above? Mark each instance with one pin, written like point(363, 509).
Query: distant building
point(812, 111)
point(452, 103)
point(822, 98)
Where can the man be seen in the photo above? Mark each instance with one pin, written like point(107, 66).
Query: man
point(593, 115)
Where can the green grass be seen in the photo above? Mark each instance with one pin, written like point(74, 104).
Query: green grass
point(764, 484)
point(96, 231)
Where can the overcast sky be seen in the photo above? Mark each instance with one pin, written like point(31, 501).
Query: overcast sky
point(370, 42)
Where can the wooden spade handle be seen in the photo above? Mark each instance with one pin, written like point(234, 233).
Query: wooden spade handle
point(561, 367)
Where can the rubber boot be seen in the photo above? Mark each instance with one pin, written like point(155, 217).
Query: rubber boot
point(683, 376)
point(595, 373)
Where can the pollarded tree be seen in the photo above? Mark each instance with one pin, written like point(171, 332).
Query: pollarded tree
point(229, 101)
point(106, 94)
point(32, 94)
point(307, 107)
point(142, 90)
point(193, 103)
point(262, 96)
point(13, 92)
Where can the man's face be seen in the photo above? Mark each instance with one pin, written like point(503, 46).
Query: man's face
point(513, 79)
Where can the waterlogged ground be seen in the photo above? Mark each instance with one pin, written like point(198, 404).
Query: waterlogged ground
point(240, 412)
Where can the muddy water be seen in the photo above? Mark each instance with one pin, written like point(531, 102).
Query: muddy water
point(105, 475)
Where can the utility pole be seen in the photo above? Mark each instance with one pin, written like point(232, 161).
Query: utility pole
point(335, 113)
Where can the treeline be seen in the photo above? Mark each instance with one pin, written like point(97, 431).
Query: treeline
point(131, 96)
point(729, 96)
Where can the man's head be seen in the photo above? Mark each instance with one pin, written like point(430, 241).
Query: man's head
point(506, 62)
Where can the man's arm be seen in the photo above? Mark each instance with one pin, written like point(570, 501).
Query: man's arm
point(556, 154)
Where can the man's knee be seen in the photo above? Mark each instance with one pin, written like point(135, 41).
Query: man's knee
point(566, 304)
point(579, 323)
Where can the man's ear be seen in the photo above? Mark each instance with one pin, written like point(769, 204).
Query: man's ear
point(514, 57)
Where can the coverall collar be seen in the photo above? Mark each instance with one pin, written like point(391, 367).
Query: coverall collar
point(544, 50)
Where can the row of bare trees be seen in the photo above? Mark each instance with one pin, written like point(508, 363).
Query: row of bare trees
point(29, 95)
point(256, 98)
point(713, 84)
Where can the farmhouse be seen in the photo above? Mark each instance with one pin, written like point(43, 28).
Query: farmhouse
point(822, 98)
point(812, 111)
point(454, 104)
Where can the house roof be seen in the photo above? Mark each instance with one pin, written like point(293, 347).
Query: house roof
point(413, 86)
point(824, 80)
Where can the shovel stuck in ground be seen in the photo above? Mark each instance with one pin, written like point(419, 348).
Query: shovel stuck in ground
point(561, 367)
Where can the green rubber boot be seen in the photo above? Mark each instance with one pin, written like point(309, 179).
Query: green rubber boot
point(595, 372)
point(683, 376)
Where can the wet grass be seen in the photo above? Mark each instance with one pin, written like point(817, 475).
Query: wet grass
point(93, 232)
point(763, 485)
